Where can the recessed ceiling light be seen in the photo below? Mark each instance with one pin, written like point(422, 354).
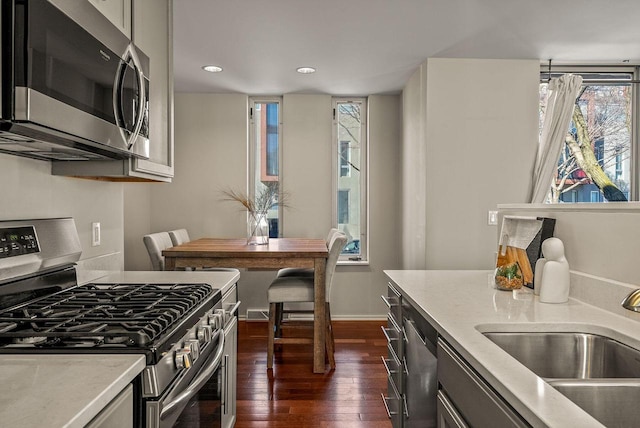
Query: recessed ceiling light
point(212, 68)
point(306, 70)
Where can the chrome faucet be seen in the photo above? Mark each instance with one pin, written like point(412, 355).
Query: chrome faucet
point(632, 301)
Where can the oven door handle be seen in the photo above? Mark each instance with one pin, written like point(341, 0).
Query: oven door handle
point(234, 309)
point(197, 383)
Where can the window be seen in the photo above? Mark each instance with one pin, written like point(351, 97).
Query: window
point(264, 154)
point(350, 175)
point(600, 140)
point(271, 137)
point(343, 206)
point(345, 159)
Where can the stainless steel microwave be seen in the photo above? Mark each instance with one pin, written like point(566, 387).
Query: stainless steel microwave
point(74, 87)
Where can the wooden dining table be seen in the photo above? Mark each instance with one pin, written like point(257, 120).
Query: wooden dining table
point(278, 253)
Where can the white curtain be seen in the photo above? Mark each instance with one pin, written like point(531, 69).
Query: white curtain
point(562, 97)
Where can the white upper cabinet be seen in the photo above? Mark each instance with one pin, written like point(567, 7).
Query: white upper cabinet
point(117, 11)
point(152, 33)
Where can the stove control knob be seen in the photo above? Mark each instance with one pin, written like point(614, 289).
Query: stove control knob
point(194, 347)
point(211, 321)
point(204, 333)
point(183, 358)
point(223, 315)
point(215, 321)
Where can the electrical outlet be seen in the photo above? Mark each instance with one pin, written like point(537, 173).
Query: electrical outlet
point(95, 234)
point(492, 218)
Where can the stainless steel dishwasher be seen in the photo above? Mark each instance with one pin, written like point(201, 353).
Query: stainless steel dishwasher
point(421, 370)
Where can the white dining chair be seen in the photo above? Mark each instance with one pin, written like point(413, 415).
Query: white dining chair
point(306, 271)
point(181, 236)
point(295, 289)
point(155, 243)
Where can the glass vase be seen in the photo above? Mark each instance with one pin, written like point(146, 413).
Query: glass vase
point(258, 229)
point(508, 277)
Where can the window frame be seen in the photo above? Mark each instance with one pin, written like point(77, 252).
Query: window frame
point(363, 258)
point(252, 147)
point(634, 146)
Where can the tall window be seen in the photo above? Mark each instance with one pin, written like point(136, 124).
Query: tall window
point(345, 158)
point(350, 174)
point(343, 206)
point(265, 116)
point(595, 164)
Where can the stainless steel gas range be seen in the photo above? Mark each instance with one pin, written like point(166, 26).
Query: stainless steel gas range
point(186, 331)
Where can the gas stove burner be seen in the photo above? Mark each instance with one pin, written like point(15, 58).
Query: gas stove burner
point(7, 326)
point(103, 315)
point(30, 340)
point(59, 343)
point(118, 340)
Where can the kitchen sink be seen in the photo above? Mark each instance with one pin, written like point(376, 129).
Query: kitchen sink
point(570, 355)
point(597, 373)
point(614, 403)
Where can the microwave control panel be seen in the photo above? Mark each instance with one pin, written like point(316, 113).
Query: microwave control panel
point(16, 241)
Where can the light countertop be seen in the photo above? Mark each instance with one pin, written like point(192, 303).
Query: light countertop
point(61, 390)
point(57, 390)
point(462, 304)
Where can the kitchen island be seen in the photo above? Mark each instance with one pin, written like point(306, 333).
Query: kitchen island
point(461, 305)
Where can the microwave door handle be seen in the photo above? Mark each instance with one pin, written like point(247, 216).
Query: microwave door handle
point(117, 98)
point(197, 383)
point(138, 112)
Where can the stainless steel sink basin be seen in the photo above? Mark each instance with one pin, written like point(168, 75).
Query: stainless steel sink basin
point(614, 403)
point(598, 373)
point(570, 355)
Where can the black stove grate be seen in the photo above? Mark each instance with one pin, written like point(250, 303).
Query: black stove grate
point(102, 315)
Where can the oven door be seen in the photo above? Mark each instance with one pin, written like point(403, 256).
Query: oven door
point(196, 398)
point(215, 403)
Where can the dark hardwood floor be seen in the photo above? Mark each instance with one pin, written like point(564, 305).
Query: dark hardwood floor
point(292, 396)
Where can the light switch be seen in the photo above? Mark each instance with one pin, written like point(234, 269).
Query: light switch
point(492, 218)
point(95, 234)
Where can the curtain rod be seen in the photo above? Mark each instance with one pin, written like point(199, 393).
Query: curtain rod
point(549, 73)
point(604, 81)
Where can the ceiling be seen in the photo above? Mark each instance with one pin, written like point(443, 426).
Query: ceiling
point(362, 47)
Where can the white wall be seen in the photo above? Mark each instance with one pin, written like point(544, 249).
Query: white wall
point(306, 164)
point(414, 171)
point(211, 155)
point(479, 139)
point(137, 223)
point(29, 191)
